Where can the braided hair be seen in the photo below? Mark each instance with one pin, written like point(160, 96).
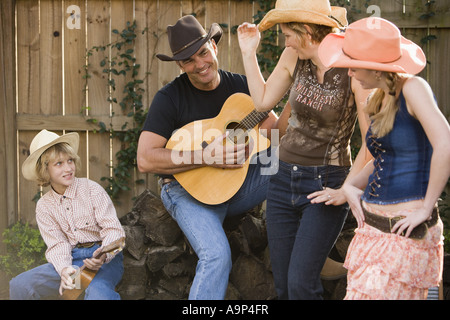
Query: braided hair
point(383, 118)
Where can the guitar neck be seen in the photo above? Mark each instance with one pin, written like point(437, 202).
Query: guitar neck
point(253, 118)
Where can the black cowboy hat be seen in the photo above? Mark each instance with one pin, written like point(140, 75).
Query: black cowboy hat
point(187, 36)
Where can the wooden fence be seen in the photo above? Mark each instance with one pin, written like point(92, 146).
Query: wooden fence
point(43, 50)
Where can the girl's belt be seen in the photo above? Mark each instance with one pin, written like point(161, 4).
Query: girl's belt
point(385, 224)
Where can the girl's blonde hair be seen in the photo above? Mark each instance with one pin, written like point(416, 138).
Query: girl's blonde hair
point(318, 32)
point(51, 154)
point(383, 119)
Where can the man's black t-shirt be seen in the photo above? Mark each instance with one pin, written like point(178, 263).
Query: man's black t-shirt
point(179, 102)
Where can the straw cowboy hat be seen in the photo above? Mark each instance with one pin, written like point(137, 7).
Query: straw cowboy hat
point(306, 11)
point(187, 36)
point(41, 142)
point(372, 43)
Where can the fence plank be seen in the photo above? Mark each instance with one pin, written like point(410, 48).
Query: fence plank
point(28, 56)
point(408, 15)
point(98, 34)
point(146, 18)
point(143, 47)
point(74, 58)
point(121, 14)
point(168, 13)
point(28, 94)
point(27, 189)
point(50, 57)
point(218, 12)
point(240, 12)
point(439, 68)
point(8, 160)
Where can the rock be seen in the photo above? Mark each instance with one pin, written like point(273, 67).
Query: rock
point(158, 257)
point(254, 231)
point(159, 225)
point(133, 285)
point(135, 238)
point(252, 279)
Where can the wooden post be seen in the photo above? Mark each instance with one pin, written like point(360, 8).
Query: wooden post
point(8, 161)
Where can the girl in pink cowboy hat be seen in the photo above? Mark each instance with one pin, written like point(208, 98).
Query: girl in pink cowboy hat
point(397, 252)
point(306, 208)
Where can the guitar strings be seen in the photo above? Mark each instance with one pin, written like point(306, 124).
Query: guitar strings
point(247, 123)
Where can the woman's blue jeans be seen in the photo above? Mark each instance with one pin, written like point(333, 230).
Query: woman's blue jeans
point(301, 234)
point(202, 226)
point(43, 281)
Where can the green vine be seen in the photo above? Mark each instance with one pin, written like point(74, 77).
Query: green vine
point(122, 63)
point(270, 51)
point(429, 13)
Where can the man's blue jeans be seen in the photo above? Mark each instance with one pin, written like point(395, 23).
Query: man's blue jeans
point(43, 281)
point(202, 226)
point(301, 234)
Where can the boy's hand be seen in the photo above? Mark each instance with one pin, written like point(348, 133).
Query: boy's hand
point(95, 264)
point(67, 282)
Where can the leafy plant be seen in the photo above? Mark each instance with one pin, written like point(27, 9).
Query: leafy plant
point(25, 249)
point(122, 63)
point(270, 51)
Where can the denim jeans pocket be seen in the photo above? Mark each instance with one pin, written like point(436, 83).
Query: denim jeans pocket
point(333, 176)
point(166, 198)
point(173, 195)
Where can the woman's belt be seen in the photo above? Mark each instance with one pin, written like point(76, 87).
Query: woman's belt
point(385, 224)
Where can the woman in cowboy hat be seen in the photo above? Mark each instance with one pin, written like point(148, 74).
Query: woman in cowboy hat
point(75, 218)
point(305, 207)
point(397, 251)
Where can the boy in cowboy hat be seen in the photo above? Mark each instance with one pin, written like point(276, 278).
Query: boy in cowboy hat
point(198, 93)
point(75, 218)
point(306, 207)
point(397, 251)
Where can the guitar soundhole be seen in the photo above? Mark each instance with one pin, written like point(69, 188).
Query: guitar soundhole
point(237, 134)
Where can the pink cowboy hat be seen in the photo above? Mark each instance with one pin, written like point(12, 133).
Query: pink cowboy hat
point(372, 43)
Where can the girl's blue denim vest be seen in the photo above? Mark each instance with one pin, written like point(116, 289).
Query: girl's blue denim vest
point(402, 161)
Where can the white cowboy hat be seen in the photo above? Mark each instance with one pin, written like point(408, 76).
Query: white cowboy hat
point(305, 11)
point(41, 142)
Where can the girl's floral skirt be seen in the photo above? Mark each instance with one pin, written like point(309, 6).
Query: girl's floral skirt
point(384, 266)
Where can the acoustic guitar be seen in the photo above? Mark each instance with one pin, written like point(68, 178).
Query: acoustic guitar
point(87, 275)
point(240, 119)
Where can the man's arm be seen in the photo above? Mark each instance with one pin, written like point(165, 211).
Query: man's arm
point(153, 157)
